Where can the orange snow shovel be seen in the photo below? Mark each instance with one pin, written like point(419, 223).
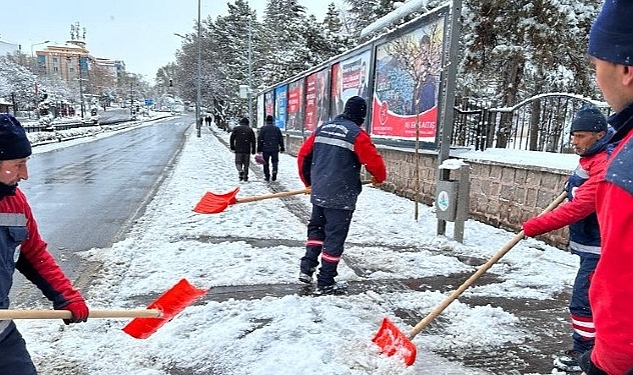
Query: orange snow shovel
point(392, 341)
point(146, 321)
point(211, 203)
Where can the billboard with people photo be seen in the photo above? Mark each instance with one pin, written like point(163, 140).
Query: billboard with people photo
point(295, 105)
point(281, 100)
point(269, 103)
point(350, 77)
point(406, 84)
point(317, 99)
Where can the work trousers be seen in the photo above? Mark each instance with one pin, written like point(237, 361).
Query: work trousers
point(579, 309)
point(327, 231)
point(14, 358)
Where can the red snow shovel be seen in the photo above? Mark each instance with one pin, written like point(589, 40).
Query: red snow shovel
point(392, 341)
point(211, 203)
point(146, 321)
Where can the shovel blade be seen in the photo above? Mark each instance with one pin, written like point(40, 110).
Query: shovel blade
point(170, 304)
point(211, 203)
point(392, 341)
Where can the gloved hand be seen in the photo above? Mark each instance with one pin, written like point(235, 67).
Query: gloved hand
point(79, 309)
point(375, 182)
point(532, 227)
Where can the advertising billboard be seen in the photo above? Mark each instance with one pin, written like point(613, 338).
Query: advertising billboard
point(350, 77)
point(281, 100)
point(269, 103)
point(295, 105)
point(406, 84)
point(317, 99)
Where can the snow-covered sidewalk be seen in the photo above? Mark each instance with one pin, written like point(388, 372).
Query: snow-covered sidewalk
point(292, 334)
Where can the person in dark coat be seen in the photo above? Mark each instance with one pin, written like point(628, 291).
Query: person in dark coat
point(242, 142)
point(270, 142)
point(589, 137)
point(330, 162)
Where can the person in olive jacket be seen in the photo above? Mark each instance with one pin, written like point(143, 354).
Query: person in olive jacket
point(270, 142)
point(242, 142)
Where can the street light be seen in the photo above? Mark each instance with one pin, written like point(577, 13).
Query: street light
point(37, 44)
point(250, 70)
point(182, 36)
point(33, 56)
point(198, 78)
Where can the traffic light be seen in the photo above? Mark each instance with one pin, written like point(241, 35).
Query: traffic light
point(171, 83)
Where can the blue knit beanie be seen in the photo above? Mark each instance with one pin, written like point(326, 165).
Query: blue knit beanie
point(611, 35)
point(13, 141)
point(589, 119)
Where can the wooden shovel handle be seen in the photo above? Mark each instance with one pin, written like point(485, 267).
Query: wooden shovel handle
point(495, 258)
point(274, 195)
point(66, 314)
point(279, 195)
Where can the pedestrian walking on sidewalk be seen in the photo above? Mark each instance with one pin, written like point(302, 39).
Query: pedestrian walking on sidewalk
point(589, 137)
point(611, 292)
point(242, 142)
point(330, 163)
point(23, 249)
point(270, 142)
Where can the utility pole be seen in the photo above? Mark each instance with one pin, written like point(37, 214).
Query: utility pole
point(81, 90)
point(198, 78)
point(250, 71)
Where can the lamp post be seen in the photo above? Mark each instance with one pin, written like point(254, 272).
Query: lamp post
point(81, 90)
point(250, 70)
point(198, 78)
point(37, 44)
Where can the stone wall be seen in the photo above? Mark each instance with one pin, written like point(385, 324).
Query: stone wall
point(502, 195)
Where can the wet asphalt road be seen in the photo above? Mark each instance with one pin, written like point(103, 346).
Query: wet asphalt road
point(87, 195)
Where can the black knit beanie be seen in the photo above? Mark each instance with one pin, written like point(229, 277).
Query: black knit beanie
point(356, 109)
point(589, 119)
point(13, 141)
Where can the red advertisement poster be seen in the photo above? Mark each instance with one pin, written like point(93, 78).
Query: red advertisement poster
point(406, 84)
point(310, 114)
point(295, 104)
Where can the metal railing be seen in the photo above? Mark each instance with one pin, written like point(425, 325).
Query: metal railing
point(540, 123)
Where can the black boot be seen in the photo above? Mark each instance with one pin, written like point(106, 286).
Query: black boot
point(274, 176)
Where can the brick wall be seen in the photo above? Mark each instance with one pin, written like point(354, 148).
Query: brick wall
point(502, 195)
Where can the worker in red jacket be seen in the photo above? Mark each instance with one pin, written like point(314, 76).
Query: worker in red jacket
point(22, 248)
point(330, 163)
point(611, 293)
point(589, 137)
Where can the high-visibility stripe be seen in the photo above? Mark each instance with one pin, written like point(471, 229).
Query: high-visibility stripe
point(583, 326)
point(335, 142)
point(12, 220)
point(584, 248)
point(4, 324)
point(314, 243)
point(330, 258)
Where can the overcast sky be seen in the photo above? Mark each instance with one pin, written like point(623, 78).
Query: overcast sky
point(139, 32)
